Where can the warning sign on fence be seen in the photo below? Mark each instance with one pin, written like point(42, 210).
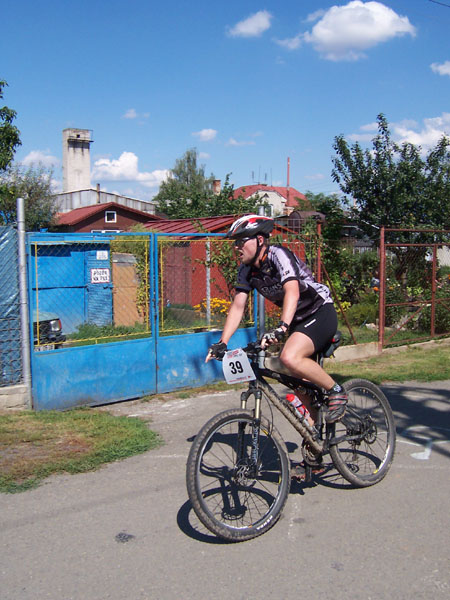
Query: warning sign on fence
point(100, 276)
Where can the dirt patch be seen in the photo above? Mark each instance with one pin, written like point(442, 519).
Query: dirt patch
point(21, 459)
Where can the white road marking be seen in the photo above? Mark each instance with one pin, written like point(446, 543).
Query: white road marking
point(415, 432)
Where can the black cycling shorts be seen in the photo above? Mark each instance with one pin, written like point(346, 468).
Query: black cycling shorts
point(320, 327)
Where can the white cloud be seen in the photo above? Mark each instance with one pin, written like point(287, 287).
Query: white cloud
point(253, 26)
point(291, 43)
point(125, 168)
point(345, 32)
point(408, 130)
point(441, 69)
point(428, 136)
point(315, 177)
point(205, 135)
point(233, 142)
point(131, 113)
point(315, 15)
point(370, 126)
point(361, 137)
point(204, 155)
point(42, 157)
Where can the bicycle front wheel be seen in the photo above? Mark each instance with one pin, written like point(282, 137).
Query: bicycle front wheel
point(238, 489)
point(364, 440)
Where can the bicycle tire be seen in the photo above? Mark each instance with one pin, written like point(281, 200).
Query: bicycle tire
point(366, 460)
point(237, 510)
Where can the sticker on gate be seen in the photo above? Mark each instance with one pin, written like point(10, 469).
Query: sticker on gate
point(236, 367)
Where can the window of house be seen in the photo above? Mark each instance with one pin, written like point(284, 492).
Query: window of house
point(110, 216)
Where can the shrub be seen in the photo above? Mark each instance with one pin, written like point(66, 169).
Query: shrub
point(365, 311)
point(442, 313)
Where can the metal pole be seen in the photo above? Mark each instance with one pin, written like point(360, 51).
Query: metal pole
point(382, 292)
point(24, 313)
point(208, 283)
point(433, 292)
point(261, 299)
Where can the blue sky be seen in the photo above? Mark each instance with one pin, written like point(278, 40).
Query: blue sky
point(248, 84)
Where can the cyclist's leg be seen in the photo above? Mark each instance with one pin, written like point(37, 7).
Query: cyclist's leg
point(296, 355)
point(309, 336)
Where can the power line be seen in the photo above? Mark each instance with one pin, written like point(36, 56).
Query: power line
point(441, 3)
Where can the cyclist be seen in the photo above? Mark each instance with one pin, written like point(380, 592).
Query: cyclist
point(308, 317)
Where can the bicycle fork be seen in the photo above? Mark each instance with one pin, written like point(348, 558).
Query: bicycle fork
point(255, 431)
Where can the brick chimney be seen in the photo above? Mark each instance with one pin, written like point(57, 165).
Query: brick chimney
point(216, 187)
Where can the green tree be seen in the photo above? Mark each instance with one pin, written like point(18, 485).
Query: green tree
point(34, 185)
point(184, 193)
point(9, 134)
point(392, 185)
point(189, 193)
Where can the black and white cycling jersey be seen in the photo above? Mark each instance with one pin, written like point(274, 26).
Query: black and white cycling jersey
point(277, 267)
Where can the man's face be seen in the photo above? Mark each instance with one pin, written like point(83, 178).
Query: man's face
point(246, 249)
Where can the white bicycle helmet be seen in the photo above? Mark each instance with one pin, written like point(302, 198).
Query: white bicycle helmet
point(250, 226)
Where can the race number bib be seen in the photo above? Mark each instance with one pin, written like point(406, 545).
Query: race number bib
point(236, 367)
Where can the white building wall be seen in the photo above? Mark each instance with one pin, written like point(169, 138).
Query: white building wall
point(276, 201)
point(70, 200)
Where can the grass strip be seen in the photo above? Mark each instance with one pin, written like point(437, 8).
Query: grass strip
point(412, 364)
point(34, 445)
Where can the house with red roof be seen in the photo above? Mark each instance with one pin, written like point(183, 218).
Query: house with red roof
point(282, 200)
point(109, 217)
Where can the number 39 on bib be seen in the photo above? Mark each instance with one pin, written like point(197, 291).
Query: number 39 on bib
point(236, 367)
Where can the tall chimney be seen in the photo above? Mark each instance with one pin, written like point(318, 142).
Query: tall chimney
point(76, 159)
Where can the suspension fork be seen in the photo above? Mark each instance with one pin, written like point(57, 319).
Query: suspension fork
point(252, 390)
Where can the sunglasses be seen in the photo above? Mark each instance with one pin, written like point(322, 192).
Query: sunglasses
point(240, 243)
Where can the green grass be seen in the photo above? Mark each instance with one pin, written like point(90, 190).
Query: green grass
point(429, 363)
point(35, 445)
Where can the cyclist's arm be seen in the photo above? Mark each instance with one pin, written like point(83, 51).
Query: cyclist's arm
point(290, 300)
point(235, 314)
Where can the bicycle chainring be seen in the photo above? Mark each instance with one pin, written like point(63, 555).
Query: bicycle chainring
point(309, 456)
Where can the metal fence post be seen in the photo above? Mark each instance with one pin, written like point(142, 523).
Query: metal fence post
point(382, 292)
point(261, 299)
point(208, 282)
point(24, 318)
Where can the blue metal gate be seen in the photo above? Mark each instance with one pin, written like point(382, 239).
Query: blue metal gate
point(99, 373)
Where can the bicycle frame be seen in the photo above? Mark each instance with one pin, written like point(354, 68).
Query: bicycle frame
point(260, 386)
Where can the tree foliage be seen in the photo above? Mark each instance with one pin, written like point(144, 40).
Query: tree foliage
point(9, 134)
point(34, 185)
point(393, 184)
point(189, 193)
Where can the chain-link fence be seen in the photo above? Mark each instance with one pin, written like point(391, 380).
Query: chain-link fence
point(10, 329)
point(103, 290)
point(196, 279)
point(89, 291)
point(415, 285)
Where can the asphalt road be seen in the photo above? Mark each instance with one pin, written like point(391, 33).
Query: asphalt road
point(127, 530)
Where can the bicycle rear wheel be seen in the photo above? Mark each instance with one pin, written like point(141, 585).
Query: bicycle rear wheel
point(234, 493)
point(366, 448)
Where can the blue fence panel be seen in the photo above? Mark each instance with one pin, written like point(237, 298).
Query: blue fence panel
point(92, 375)
point(108, 372)
point(10, 331)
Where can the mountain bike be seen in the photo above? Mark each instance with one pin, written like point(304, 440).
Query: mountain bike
point(238, 471)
